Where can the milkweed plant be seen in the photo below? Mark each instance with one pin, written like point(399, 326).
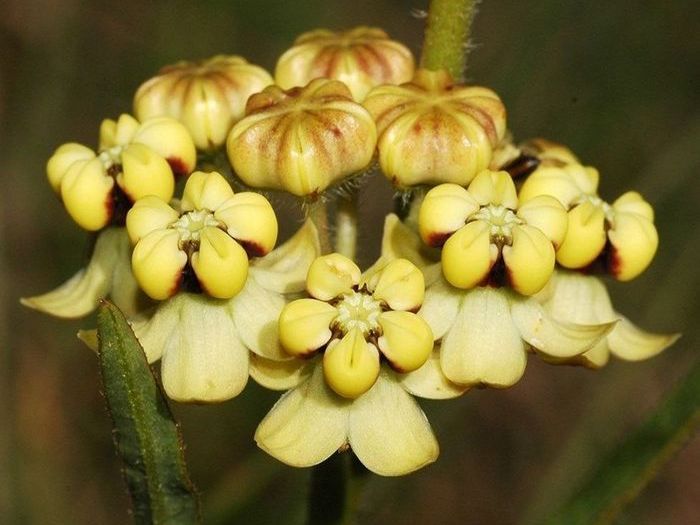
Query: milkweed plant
point(499, 252)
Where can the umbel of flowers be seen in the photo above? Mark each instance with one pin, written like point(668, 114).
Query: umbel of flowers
point(502, 252)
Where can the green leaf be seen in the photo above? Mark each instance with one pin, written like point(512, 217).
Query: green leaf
point(624, 473)
point(146, 437)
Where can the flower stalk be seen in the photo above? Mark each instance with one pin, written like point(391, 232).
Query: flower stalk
point(346, 224)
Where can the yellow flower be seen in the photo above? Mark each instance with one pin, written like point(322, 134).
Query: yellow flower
point(212, 235)
point(134, 160)
point(573, 297)
point(208, 97)
point(488, 237)
point(361, 58)
point(433, 131)
point(620, 235)
point(301, 140)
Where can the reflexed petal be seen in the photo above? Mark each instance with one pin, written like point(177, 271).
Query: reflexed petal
point(494, 187)
point(169, 139)
point(126, 293)
point(577, 298)
point(279, 375)
point(407, 340)
point(304, 326)
point(250, 219)
point(389, 432)
point(117, 133)
point(557, 182)
point(585, 236)
point(157, 263)
point(256, 311)
point(633, 202)
point(148, 214)
point(483, 346)
point(332, 275)
point(631, 343)
point(401, 242)
point(78, 296)
point(444, 210)
point(203, 359)
point(547, 215)
point(530, 260)
point(144, 172)
point(351, 365)
point(430, 382)
point(634, 241)
point(155, 332)
point(553, 337)
point(221, 265)
point(466, 256)
point(440, 307)
point(205, 191)
point(307, 424)
point(284, 269)
point(86, 192)
point(400, 285)
point(62, 159)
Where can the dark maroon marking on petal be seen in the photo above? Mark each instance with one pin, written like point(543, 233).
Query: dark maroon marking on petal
point(178, 282)
point(118, 204)
point(178, 166)
point(438, 239)
point(607, 262)
point(613, 262)
point(188, 281)
point(499, 275)
point(522, 166)
point(252, 248)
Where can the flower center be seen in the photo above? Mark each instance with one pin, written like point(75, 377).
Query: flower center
point(598, 203)
point(501, 221)
point(111, 157)
point(358, 310)
point(190, 224)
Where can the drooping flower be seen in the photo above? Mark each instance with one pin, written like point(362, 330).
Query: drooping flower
point(301, 140)
point(134, 160)
point(352, 395)
point(621, 236)
point(208, 97)
point(433, 131)
point(361, 58)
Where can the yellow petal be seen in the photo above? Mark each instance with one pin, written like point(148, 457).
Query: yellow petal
point(169, 139)
point(557, 182)
point(631, 343)
point(406, 340)
point(389, 432)
point(444, 210)
point(221, 265)
point(547, 215)
point(466, 256)
point(440, 307)
point(585, 236)
point(332, 275)
point(62, 159)
point(633, 202)
point(351, 365)
point(204, 360)
point(158, 262)
point(494, 187)
point(550, 336)
point(144, 172)
point(117, 133)
point(529, 261)
point(400, 285)
point(634, 242)
point(307, 425)
point(250, 219)
point(86, 192)
point(483, 346)
point(148, 214)
point(430, 382)
point(304, 326)
point(279, 375)
point(205, 191)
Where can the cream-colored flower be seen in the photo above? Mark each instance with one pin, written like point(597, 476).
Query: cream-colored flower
point(433, 131)
point(208, 96)
point(361, 58)
point(302, 140)
point(134, 160)
point(488, 237)
point(210, 238)
point(620, 235)
point(574, 297)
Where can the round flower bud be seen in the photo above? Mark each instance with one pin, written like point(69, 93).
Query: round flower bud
point(301, 140)
point(208, 97)
point(433, 131)
point(361, 58)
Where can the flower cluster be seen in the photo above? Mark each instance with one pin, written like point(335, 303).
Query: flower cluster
point(501, 252)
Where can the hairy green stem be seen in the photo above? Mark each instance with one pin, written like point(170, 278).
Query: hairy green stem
point(317, 212)
point(346, 225)
point(447, 36)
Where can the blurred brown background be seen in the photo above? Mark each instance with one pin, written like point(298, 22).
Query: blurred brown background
point(617, 82)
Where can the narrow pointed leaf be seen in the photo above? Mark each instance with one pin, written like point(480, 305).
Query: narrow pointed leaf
point(146, 436)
